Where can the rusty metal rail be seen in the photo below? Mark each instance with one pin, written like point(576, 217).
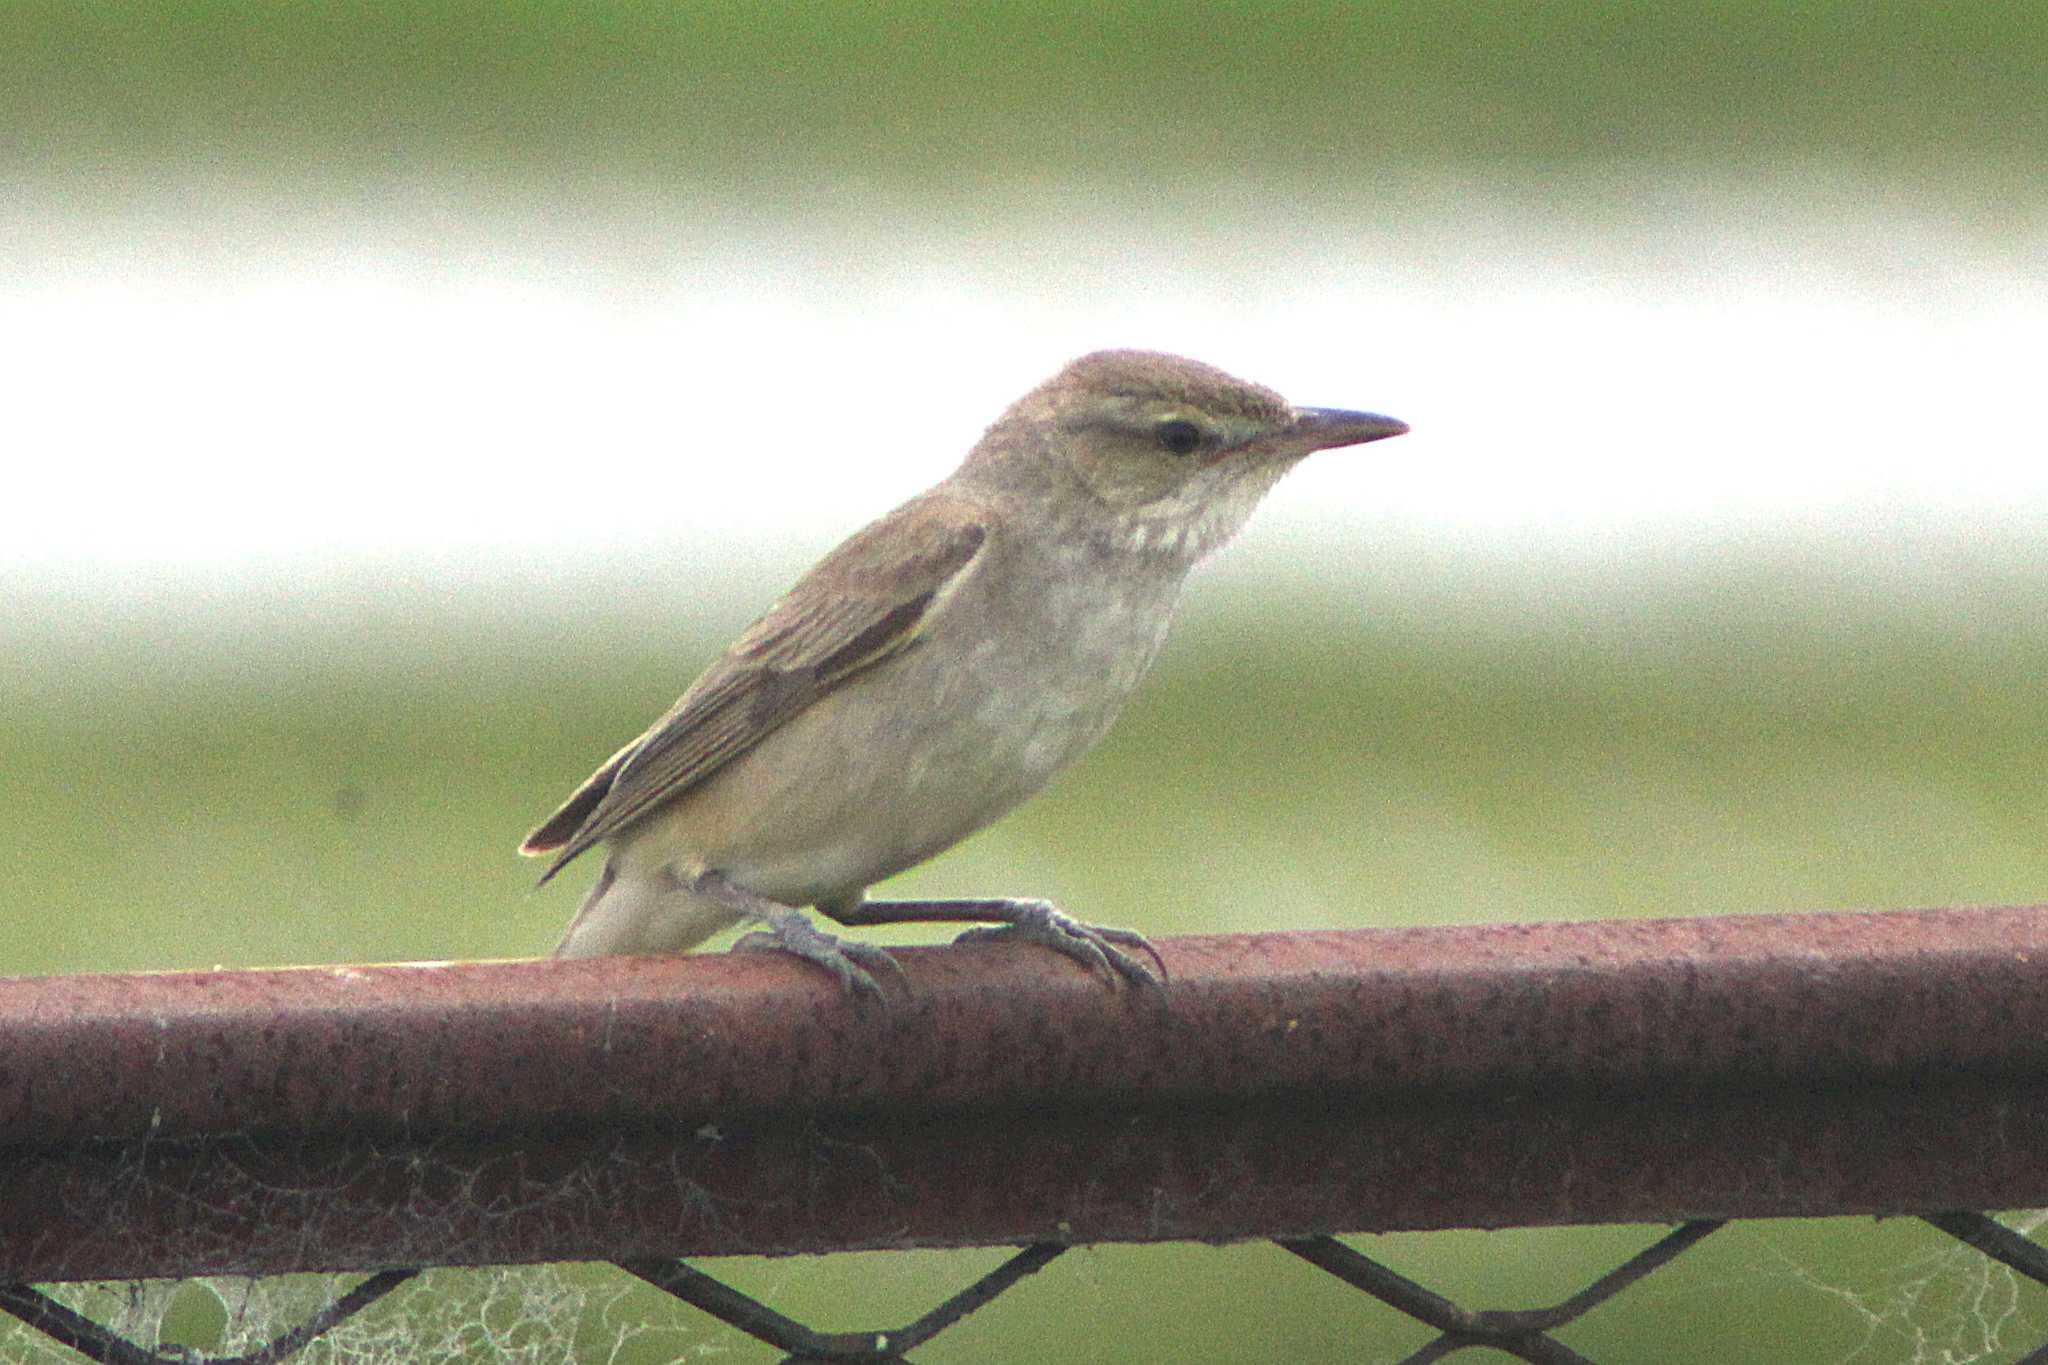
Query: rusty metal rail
point(1283, 1085)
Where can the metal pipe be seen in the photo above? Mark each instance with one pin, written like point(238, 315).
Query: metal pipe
point(1281, 1085)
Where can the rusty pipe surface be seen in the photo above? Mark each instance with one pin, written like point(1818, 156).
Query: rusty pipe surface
point(1282, 1084)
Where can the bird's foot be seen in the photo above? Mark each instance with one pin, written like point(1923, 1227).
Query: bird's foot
point(1096, 947)
point(1029, 921)
point(852, 963)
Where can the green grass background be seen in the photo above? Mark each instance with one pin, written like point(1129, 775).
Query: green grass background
point(336, 767)
point(1176, 95)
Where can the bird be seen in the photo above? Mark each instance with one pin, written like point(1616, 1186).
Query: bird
point(932, 672)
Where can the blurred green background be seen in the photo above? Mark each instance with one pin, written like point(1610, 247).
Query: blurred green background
point(1369, 714)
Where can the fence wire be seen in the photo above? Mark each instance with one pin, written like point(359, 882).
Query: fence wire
point(1524, 1334)
point(1287, 1087)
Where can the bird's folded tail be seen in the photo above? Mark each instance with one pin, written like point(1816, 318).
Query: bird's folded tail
point(561, 827)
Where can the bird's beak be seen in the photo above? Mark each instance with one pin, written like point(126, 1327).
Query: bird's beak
point(1325, 428)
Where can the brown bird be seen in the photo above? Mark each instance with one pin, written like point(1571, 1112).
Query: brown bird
point(934, 671)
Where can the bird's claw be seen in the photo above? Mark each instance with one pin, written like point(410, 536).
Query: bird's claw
point(850, 961)
point(1093, 946)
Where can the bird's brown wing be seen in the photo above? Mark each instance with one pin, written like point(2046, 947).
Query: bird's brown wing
point(864, 602)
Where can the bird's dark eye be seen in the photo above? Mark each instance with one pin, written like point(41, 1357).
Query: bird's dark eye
point(1177, 437)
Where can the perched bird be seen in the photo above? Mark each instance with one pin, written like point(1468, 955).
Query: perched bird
point(934, 671)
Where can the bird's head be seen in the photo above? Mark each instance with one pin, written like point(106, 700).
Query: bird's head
point(1170, 453)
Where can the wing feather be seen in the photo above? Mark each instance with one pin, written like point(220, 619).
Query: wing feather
point(864, 602)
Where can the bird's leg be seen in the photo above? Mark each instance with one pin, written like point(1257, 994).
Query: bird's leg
point(790, 931)
point(1029, 921)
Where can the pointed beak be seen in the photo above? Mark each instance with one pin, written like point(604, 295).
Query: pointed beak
point(1327, 428)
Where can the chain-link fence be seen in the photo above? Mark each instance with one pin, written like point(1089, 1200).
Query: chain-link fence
point(1291, 1087)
